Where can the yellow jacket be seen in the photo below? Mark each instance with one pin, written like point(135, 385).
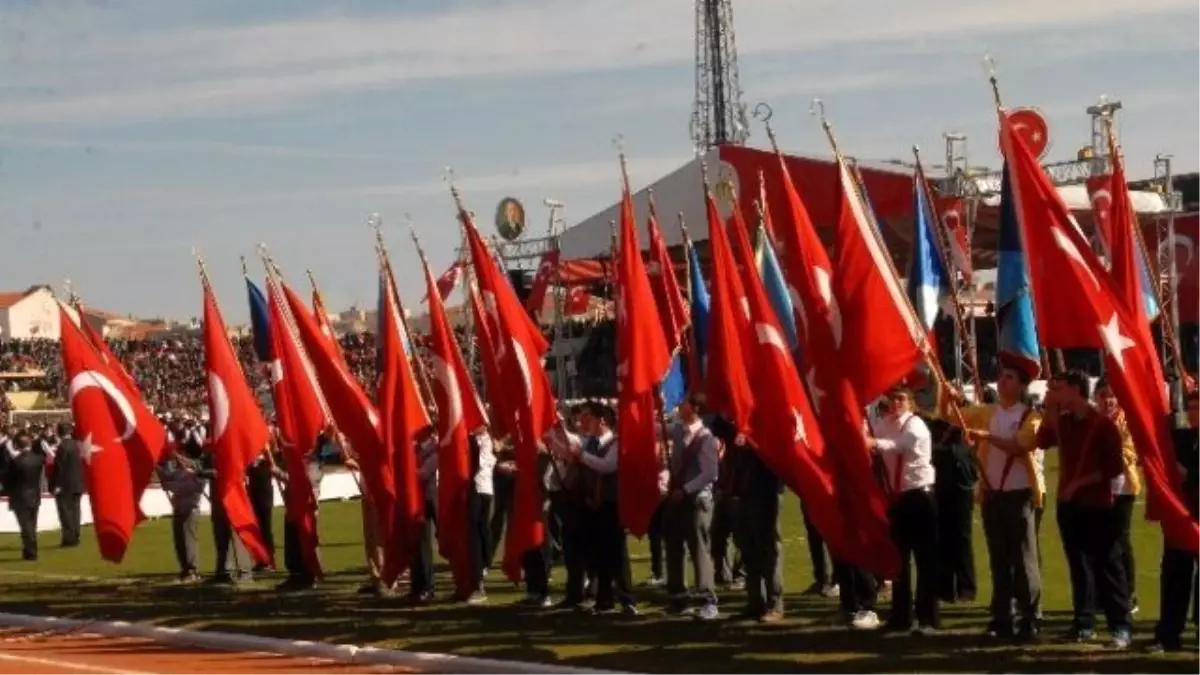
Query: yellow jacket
point(980, 417)
point(1133, 479)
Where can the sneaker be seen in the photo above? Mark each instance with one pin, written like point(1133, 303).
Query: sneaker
point(654, 582)
point(1121, 639)
point(629, 609)
point(1028, 632)
point(477, 598)
point(814, 589)
point(865, 620)
point(831, 591)
point(772, 616)
point(924, 630)
point(738, 585)
point(546, 603)
point(708, 612)
point(190, 577)
point(1080, 635)
point(1134, 608)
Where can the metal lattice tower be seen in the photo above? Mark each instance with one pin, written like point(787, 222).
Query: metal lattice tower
point(719, 115)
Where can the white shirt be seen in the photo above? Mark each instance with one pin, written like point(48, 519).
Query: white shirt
point(1005, 424)
point(487, 463)
point(906, 441)
point(606, 463)
point(558, 440)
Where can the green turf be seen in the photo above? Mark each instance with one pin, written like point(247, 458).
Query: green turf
point(141, 590)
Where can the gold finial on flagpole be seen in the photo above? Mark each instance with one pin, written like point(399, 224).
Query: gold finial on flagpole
point(650, 200)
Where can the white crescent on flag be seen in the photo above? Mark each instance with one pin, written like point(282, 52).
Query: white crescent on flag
point(449, 384)
point(91, 378)
point(220, 405)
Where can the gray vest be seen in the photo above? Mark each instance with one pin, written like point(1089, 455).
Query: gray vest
point(685, 460)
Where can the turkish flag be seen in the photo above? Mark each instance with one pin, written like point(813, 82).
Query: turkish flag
point(880, 333)
point(404, 416)
point(239, 432)
point(1078, 304)
point(104, 424)
point(501, 416)
point(448, 281)
point(352, 411)
point(322, 317)
point(517, 349)
point(460, 413)
point(1100, 194)
point(579, 299)
point(952, 215)
point(726, 384)
point(672, 310)
point(301, 416)
point(546, 271)
point(866, 542)
point(106, 356)
point(642, 360)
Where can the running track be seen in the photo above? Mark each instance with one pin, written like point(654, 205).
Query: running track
point(27, 652)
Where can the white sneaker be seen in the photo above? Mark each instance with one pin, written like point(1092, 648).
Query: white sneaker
point(708, 612)
point(547, 602)
point(864, 620)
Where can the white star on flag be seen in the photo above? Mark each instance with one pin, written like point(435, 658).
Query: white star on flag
point(87, 448)
point(799, 434)
point(1114, 341)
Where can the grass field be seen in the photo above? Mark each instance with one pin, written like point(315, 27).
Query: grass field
point(76, 583)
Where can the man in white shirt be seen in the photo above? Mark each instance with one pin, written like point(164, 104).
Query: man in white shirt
point(608, 552)
point(903, 441)
point(479, 509)
point(689, 509)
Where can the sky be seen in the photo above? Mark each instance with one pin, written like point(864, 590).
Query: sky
point(134, 132)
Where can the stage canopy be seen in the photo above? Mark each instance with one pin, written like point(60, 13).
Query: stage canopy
point(889, 188)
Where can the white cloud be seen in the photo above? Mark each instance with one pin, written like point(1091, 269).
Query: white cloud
point(182, 147)
point(115, 74)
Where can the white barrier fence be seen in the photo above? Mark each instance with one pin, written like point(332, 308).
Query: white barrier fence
point(335, 486)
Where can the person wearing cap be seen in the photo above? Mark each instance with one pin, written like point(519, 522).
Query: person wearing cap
point(903, 441)
point(1005, 438)
point(689, 509)
point(23, 483)
point(66, 484)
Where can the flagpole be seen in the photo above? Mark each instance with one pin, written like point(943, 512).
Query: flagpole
point(425, 265)
point(1166, 321)
point(931, 359)
point(942, 248)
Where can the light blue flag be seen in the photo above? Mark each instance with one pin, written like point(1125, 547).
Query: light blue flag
point(1014, 304)
point(777, 291)
point(928, 282)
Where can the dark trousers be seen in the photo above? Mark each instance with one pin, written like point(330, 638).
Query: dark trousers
point(27, 516)
point(688, 525)
point(293, 556)
point(68, 517)
point(1090, 538)
point(816, 551)
point(1123, 506)
point(502, 496)
point(727, 560)
point(263, 503)
point(956, 557)
point(655, 535)
point(479, 534)
point(183, 533)
point(421, 579)
point(1176, 588)
point(762, 549)
point(536, 562)
point(609, 556)
point(859, 590)
point(232, 557)
point(914, 530)
point(575, 545)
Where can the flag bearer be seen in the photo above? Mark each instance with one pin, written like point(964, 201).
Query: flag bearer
point(688, 513)
point(1125, 487)
point(1177, 577)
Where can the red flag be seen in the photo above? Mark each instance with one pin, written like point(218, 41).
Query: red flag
point(950, 213)
point(881, 335)
point(494, 386)
point(546, 271)
point(404, 417)
point(448, 281)
point(519, 348)
point(727, 385)
point(301, 415)
point(866, 542)
point(643, 359)
point(672, 310)
point(322, 317)
point(1100, 194)
point(1078, 305)
point(101, 408)
point(1187, 262)
point(147, 446)
point(352, 411)
point(459, 414)
point(239, 433)
point(579, 300)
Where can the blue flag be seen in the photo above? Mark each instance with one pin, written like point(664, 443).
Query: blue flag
point(1149, 301)
point(699, 301)
point(1014, 304)
point(260, 323)
point(777, 290)
point(928, 282)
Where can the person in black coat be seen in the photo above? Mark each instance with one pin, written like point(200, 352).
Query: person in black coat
point(66, 484)
point(23, 482)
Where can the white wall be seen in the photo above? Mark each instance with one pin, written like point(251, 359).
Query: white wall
point(34, 316)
